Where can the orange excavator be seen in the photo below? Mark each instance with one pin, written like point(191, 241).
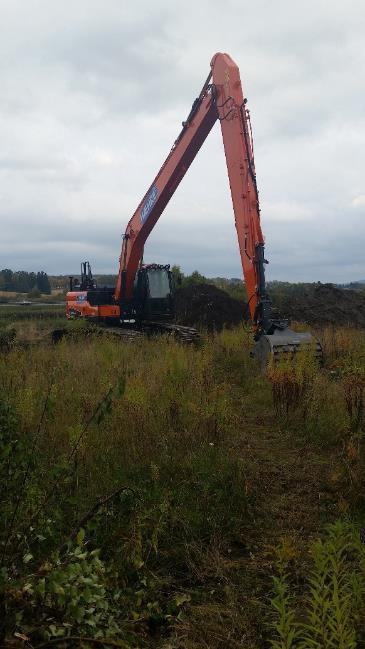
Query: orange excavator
point(144, 293)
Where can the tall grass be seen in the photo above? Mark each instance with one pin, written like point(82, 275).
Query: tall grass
point(133, 483)
point(74, 436)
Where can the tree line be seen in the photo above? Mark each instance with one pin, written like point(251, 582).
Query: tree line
point(21, 281)
point(234, 286)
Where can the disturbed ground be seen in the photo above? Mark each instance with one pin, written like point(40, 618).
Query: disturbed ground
point(322, 304)
point(208, 307)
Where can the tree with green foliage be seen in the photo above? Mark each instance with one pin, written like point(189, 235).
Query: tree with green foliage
point(34, 292)
point(194, 278)
point(22, 281)
point(177, 274)
point(43, 282)
point(7, 277)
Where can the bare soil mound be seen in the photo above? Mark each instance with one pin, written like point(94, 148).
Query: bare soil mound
point(208, 307)
point(323, 304)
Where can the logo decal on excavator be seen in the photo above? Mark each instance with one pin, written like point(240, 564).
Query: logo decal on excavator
point(149, 203)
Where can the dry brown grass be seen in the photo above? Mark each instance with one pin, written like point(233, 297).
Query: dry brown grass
point(222, 471)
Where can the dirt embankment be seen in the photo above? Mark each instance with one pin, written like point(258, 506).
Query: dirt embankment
point(324, 304)
point(207, 307)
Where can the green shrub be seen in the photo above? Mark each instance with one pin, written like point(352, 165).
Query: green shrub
point(69, 595)
point(331, 612)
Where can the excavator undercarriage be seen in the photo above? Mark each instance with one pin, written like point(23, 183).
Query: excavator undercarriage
point(150, 311)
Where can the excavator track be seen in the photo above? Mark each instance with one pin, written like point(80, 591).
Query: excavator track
point(186, 335)
point(126, 335)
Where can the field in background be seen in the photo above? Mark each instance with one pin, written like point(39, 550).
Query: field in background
point(160, 496)
point(29, 323)
point(12, 296)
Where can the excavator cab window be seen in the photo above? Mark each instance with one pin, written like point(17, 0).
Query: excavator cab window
point(159, 283)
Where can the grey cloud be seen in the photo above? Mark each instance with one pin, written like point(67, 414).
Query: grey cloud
point(93, 95)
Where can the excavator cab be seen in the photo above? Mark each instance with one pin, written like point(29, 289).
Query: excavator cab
point(153, 293)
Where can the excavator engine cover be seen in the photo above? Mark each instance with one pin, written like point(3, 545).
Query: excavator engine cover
point(285, 343)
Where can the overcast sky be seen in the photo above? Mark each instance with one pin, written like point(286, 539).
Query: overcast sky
point(92, 96)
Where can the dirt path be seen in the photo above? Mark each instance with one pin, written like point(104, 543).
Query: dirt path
point(288, 481)
point(288, 495)
point(289, 498)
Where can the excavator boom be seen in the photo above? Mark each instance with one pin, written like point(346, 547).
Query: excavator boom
point(195, 129)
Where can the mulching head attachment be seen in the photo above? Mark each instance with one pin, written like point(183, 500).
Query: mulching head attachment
point(285, 343)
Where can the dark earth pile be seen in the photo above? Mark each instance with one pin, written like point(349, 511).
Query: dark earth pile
point(323, 304)
point(207, 307)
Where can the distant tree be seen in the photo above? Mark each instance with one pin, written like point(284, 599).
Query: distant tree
point(194, 278)
point(21, 282)
point(34, 292)
point(106, 280)
point(7, 276)
point(177, 275)
point(234, 287)
point(238, 291)
point(42, 282)
point(32, 279)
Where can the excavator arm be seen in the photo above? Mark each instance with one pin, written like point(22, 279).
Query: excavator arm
point(237, 139)
point(221, 98)
point(195, 130)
